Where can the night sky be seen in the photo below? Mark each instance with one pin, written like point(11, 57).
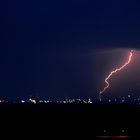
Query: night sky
point(64, 49)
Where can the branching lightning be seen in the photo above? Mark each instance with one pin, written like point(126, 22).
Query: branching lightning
point(115, 71)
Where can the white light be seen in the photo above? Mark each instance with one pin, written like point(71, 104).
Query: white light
point(22, 101)
point(89, 101)
point(129, 96)
point(33, 101)
point(123, 100)
point(41, 101)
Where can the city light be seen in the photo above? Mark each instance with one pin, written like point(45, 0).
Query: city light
point(117, 100)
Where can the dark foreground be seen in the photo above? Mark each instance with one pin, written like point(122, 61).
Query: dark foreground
point(71, 120)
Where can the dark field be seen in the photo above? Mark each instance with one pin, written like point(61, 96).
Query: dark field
point(73, 120)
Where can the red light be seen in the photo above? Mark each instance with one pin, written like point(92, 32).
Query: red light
point(117, 137)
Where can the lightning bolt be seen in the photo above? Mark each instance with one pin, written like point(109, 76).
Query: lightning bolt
point(115, 71)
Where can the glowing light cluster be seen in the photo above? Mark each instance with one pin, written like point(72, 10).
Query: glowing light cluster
point(115, 71)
